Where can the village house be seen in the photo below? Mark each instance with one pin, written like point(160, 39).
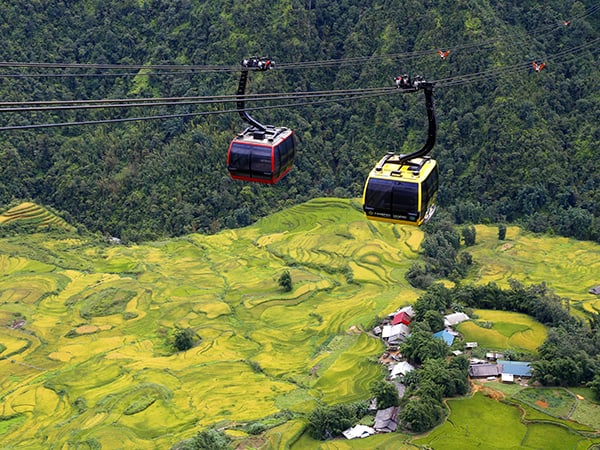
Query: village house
point(401, 317)
point(394, 334)
point(358, 432)
point(386, 420)
point(445, 335)
point(493, 356)
point(402, 368)
point(453, 319)
point(484, 370)
point(512, 369)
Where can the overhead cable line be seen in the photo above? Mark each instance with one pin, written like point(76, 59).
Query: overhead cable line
point(193, 114)
point(55, 105)
point(351, 94)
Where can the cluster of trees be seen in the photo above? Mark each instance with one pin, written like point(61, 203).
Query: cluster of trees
point(327, 422)
point(285, 281)
point(517, 147)
point(570, 356)
point(441, 253)
point(184, 339)
point(436, 379)
point(209, 439)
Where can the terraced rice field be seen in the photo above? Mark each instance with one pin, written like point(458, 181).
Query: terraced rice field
point(91, 363)
point(569, 267)
point(33, 215)
point(481, 421)
point(88, 362)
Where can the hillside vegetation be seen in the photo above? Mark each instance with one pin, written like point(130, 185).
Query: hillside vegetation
point(87, 356)
point(512, 146)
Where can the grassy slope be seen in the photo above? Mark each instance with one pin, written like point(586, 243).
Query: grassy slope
point(110, 378)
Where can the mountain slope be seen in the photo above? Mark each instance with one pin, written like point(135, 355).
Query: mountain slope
point(515, 146)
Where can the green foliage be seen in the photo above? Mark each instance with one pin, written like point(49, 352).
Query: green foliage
point(210, 439)
point(184, 339)
point(328, 422)
point(441, 254)
point(255, 366)
point(594, 385)
point(285, 281)
point(385, 393)
point(139, 405)
point(420, 345)
point(469, 235)
point(434, 320)
point(419, 277)
point(501, 232)
point(422, 414)
point(266, 423)
point(436, 298)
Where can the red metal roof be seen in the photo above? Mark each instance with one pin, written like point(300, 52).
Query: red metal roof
point(401, 318)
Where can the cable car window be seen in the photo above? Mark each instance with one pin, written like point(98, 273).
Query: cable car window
point(430, 187)
point(239, 156)
point(287, 152)
point(261, 160)
point(282, 149)
point(279, 163)
point(405, 197)
point(378, 194)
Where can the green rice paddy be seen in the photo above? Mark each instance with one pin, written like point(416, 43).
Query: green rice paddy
point(484, 422)
point(503, 330)
point(90, 364)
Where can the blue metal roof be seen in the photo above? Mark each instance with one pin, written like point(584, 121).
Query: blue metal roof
point(518, 368)
point(447, 337)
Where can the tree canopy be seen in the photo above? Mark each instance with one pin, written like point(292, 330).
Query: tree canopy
point(511, 147)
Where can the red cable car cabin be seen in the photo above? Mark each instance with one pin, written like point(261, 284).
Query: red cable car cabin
point(262, 156)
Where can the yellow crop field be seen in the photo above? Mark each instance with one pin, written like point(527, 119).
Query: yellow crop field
point(90, 361)
point(569, 267)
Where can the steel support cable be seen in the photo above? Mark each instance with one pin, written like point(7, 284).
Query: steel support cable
point(194, 114)
point(31, 106)
point(174, 101)
point(178, 101)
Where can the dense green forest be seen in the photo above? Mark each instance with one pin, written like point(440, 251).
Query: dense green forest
point(514, 146)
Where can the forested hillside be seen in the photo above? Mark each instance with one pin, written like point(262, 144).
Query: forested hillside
point(512, 146)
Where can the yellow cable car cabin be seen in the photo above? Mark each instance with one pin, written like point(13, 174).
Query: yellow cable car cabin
point(402, 192)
